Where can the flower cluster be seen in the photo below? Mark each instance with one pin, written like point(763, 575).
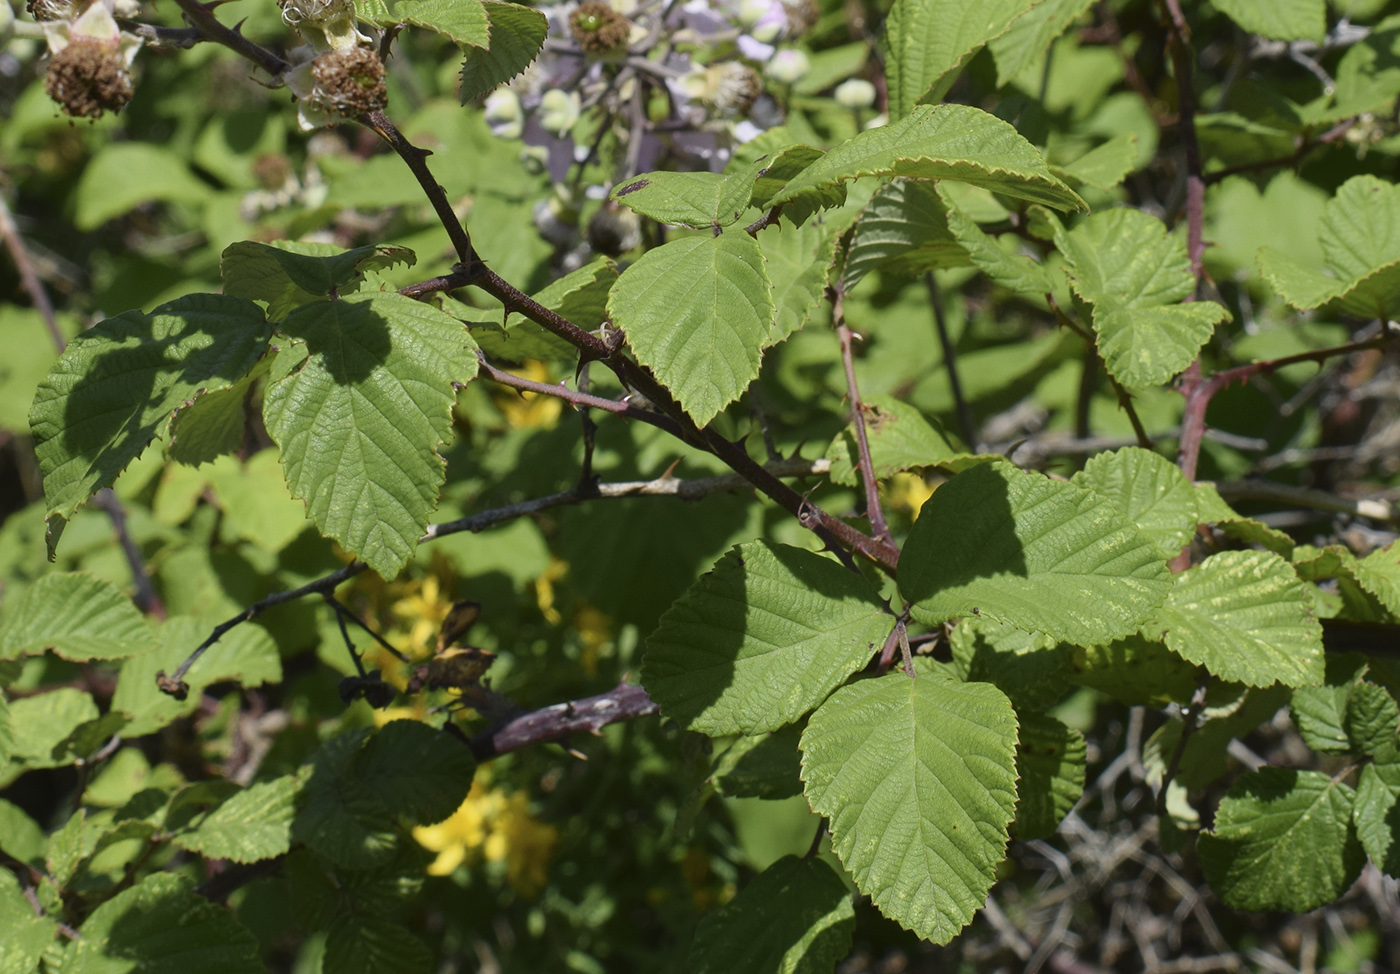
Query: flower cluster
point(336, 73)
point(495, 826)
point(90, 60)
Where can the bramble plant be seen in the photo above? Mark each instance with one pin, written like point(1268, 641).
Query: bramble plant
point(706, 485)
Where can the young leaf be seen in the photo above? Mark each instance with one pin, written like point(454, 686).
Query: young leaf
point(1245, 616)
point(1029, 551)
point(767, 766)
point(1283, 840)
point(1124, 263)
point(918, 780)
point(798, 261)
point(942, 142)
point(1371, 720)
point(286, 274)
point(796, 916)
point(77, 616)
point(1379, 574)
point(161, 926)
point(781, 167)
point(253, 824)
point(1376, 816)
point(696, 311)
point(517, 34)
point(903, 229)
point(1050, 761)
point(929, 41)
point(1149, 490)
point(900, 438)
point(118, 384)
point(761, 639)
point(462, 21)
point(1031, 35)
point(360, 422)
point(689, 199)
point(1280, 20)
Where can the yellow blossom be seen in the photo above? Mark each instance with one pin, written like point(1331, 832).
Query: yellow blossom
point(423, 606)
point(529, 410)
point(495, 826)
point(907, 492)
point(595, 632)
point(544, 589)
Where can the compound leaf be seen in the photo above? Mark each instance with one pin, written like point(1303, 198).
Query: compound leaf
point(43, 722)
point(1016, 272)
point(1149, 490)
point(797, 260)
point(1372, 720)
point(1031, 34)
point(1124, 263)
point(369, 944)
point(766, 766)
point(360, 421)
point(918, 780)
point(761, 639)
point(117, 385)
point(1032, 552)
point(77, 616)
point(1245, 616)
point(697, 311)
point(1283, 840)
point(796, 917)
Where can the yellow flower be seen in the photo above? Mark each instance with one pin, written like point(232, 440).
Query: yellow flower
point(544, 589)
point(497, 827)
point(594, 630)
point(529, 410)
point(907, 492)
point(423, 607)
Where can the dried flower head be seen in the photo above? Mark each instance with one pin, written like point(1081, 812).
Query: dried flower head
point(47, 10)
point(729, 87)
point(327, 25)
point(349, 82)
point(88, 79)
point(599, 29)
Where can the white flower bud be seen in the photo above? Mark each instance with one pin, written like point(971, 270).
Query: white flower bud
point(559, 110)
point(788, 66)
point(504, 115)
point(855, 94)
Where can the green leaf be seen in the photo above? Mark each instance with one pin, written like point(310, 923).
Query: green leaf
point(246, 655)
point(26, 935)
point(43, 721)
point(1015, 271)
point(77, 616)
point(161, 926)
point(517, 34)
point(798, 261)
point(1031, 34)
point(796, 917)
point(1377, 813)
point(1281, 20)
point(117, 385)
point(918, 780)
point(1124, 263)
point(689, 199)
point(215, 424)
point(1029, 667)
point(1243, 615)
point(1105, 166)
point(1283, 840)
point(124, 175)
point(1372, 720)
point(360, 422)
point(903, 230)
point(254, 499)
point(929, 41)
point(1026, 550)
point(696, 311)
point(7, 733)
point(1319, 713)
point(253, 824)
point(1212, 509)
point(367, 944)
point(20, 837)
point(783, 166)
point(1361, 253)
point(287, 274)
point(1149, 490)
point(900, 438)
point(1050, 759)
point(761, 639)
point(943, 142)
point(766, 766)
point(361, 784)
point(1379, 574)
point(580, 296)
point(463, 21)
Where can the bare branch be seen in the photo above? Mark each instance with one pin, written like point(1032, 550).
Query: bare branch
point(28, 276)
point(201, 17)
point(873, 510)
point(589, 715)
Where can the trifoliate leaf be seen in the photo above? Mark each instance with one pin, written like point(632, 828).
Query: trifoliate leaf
point(125, 377)
point(286, 274)
point(929, 41)
point(696, 311)
point(903, 230)
point(1029, 667)
point(1124, 263)
point(1243, 615)
point(918, 780)
point(1031, 35)
point(766, 766)
point(797, 261)
point(1149, 490)
point(1283, 840)
point(689, 199)
point(1029, 551)
point(161, 926)
point(77, 616)
point(360, 422)
point(517, 34)
point(1375, 815)
point(943, 142)
point(462, 21)
point(1280, 20)
point(900, 438)
point(253, 824)
point(796, 917)
point(1050, 771)
point(761, 639)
